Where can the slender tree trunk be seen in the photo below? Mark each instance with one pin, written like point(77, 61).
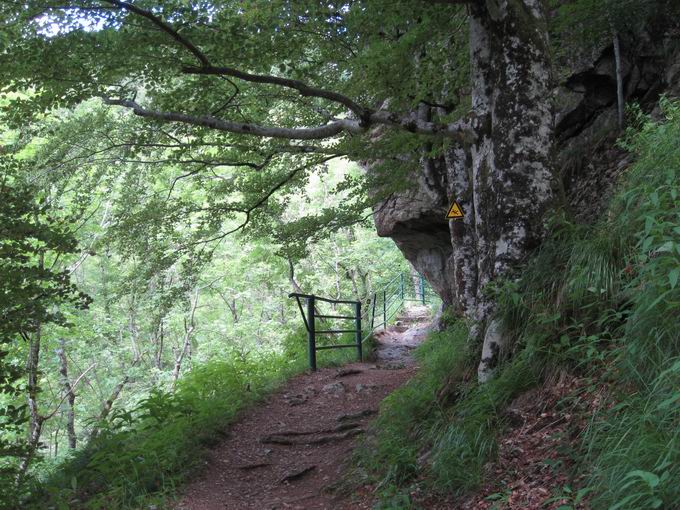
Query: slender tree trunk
point(415, 280)
point(56, 442)
point(351, 275)
point(296, 287)
point(231, 304)
point(336, 270)
point(108, 404)
point(619, 77)
point(233, 309)
point(160, 344)
point(363, 288)
point(71, 396)
point(36, 421)
point(133, 329)
point(185, 349)
point(291, 277)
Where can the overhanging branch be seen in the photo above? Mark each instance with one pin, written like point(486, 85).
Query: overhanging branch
point(460, 131)
point(162, 25)
point(326, 131)
point(301, 87)
point(365, 118)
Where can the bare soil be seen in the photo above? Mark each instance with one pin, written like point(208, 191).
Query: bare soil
point(288, 451)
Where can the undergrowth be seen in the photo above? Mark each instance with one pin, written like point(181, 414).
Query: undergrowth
point(142, 454)
point(601, 301)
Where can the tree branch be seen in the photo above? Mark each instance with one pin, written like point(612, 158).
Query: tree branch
point(248, 211)
point(326, 131)
point(365, 117)
point(460, 131)
point(207, 68)
point(302, 88)
point(73, 387)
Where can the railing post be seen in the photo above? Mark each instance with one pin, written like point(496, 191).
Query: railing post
point(384, 309)
point(375, 298)
point(401, 285)
point(358, 328)
point(422, 288)
point(312, 332)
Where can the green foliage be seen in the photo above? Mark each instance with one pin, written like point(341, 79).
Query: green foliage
point(142, 453)
point(635, 447)
point(29, 235)
point(31, 296)
point(448, 429)
point(603, 300)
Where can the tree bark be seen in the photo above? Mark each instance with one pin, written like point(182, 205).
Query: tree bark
point(620, 102)
point(160, 344)
point(108, 404)
point(36, 421)
point(71, 396)
point(503, 179)
point(184, 350)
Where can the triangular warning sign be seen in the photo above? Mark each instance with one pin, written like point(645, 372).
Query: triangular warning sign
point(455, 212)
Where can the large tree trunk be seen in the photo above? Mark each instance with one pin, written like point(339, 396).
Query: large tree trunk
point(511, 173)
point(503, 179)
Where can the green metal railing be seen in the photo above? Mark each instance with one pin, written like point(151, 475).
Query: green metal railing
point(387, 303)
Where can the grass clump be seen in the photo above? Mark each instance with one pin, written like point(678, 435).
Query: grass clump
point(410, 412)
point(465, 439)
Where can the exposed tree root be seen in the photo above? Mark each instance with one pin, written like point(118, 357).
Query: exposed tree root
point(296, 475)
point(289, 439)
point(357, 416)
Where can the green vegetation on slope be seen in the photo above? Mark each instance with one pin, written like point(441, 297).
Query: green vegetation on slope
point(140, 454)
point(600, 301)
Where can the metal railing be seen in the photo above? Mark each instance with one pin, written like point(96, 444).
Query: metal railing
point(391, 298)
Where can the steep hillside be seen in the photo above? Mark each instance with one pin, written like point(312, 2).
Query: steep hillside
point(584, 411)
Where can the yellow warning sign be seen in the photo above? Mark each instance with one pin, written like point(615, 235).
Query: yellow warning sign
point(455, 212)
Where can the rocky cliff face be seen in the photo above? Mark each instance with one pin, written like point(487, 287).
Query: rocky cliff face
point(587, 159)
point(415, 221)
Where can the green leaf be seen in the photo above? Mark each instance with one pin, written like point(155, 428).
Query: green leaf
point(673, 277)
point(649, 478)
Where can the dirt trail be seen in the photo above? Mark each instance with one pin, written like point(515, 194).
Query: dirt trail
point(284, 452)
